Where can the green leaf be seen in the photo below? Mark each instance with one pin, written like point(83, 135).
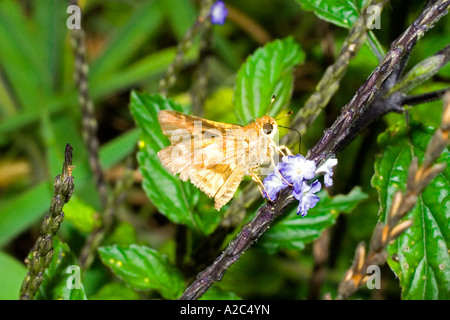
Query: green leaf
point(26, 73)
point(20, 212)
point(173, 198)
point(52, 37)
point(423, 262)
point(123, 234)
point(182, 18)
point(80, 214)
point(265, 73)
point(117, 149)
point(12, 273)
point(342, 13)
point(215, 293)
point(62, 279)
point(295, 231)
point(150, 67)
point(144, 268)
point(115, 291)
point(126, 40)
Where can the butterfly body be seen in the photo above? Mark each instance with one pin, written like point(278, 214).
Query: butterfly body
point(216, 156)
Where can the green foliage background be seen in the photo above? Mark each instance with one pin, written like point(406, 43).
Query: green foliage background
point(130, 45)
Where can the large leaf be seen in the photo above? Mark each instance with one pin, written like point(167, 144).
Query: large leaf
point(62, 279)
point(265, 73)
point(18, 56)
point(295, 231)
point(342, 13)
point(174, 198)
point(12, 273)
point(18, 213)
point(423, 264)
point(51, 37)
point(144, 268)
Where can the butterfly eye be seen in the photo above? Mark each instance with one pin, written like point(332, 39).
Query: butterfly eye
point(267, 128)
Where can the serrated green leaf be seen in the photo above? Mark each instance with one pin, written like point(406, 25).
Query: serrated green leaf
point(266, 72)
point(174, 198)
point(423, 266)
point(342, 13)
point(62, 276)
point(144, 268)
point(294, 231)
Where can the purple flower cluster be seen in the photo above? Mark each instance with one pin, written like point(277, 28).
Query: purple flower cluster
point(218, 12)
point(297, 171)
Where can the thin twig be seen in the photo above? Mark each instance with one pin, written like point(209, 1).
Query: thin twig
point(329, 84)
point(42, 253)
point(199, 87)
point(424, 97)
point(345, 129)
point(115, 199)
point(422, 71)
point(183, 47)
point(89, 122)
point(402, 203)
point(89, 126)
point(320, 255)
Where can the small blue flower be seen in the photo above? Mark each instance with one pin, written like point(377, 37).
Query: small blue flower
point(297, 171)
point(297, 168)
point(327, 169)
point(218, 12)
point(273, 184)
point(305, 194)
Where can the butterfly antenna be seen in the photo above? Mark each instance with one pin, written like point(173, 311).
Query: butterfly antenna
point(287, 114)
point(299, 135)
point(272, 100)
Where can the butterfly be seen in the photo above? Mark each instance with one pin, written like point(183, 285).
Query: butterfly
point(216, 156)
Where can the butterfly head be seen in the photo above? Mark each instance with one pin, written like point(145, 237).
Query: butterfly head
point(268, 126)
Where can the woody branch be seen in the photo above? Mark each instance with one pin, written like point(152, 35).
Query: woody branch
point(355, 116)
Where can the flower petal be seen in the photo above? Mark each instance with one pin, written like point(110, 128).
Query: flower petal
point(273, 184)
point(327, 169)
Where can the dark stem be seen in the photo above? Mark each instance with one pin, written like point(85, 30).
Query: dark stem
point(424, 97)
point(89, 122)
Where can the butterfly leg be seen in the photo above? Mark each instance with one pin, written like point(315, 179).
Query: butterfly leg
point(259, 183)
point(285, 148)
